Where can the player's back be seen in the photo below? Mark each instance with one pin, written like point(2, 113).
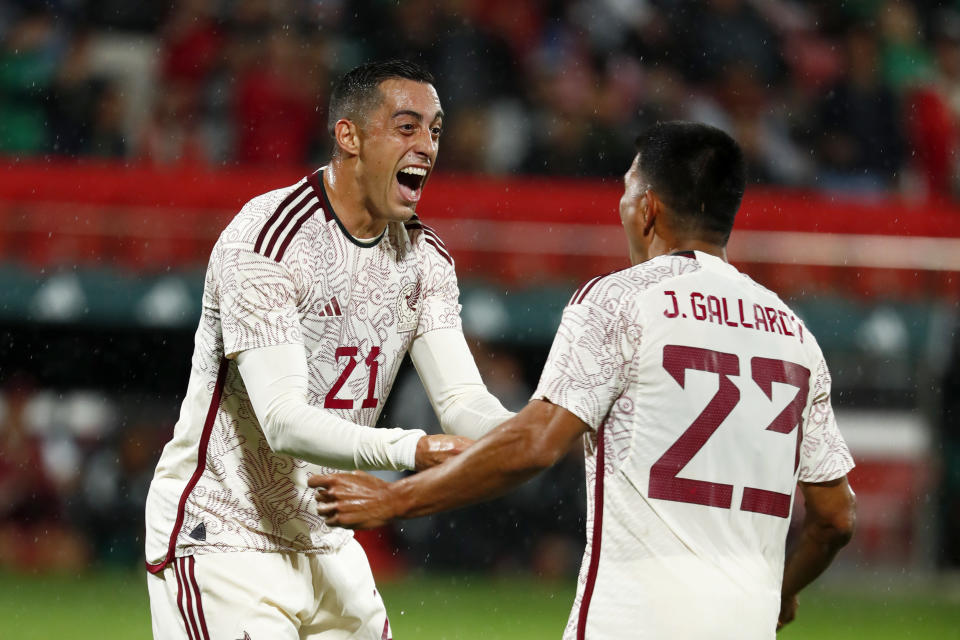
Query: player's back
point(702, 450)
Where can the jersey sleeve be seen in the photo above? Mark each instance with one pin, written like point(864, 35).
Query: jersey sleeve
point(824, 454)
point(258, 302)
point(589, 362)
point(440, 305)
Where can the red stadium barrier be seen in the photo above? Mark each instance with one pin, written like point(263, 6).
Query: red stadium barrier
point(508, 229)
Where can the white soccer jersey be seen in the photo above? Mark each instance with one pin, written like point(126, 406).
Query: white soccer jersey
point(707, 400)
point(286, 271)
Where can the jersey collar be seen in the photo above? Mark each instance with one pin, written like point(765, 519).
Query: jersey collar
point(320, 190)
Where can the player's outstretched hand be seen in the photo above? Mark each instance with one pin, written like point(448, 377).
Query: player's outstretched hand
point(788, 611)
point(353, 500)
point(432, 450)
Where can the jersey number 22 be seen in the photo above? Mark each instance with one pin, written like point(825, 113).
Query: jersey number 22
point(664, 483)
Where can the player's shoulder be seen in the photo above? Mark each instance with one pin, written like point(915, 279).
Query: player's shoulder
point(270, 222)
point(425, 240)
point(772, 299)
point(632, 282)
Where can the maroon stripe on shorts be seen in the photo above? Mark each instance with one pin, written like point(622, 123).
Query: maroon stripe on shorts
point(186, 622)
point(182, 562)
point(192, 561)
point(595, 540)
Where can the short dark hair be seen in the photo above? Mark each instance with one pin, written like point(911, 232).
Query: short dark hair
point(698, 171)
point(359, 90)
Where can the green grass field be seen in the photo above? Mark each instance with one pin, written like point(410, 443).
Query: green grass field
point(463, 607)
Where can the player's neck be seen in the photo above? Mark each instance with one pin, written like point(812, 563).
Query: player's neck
point(673, 245)
point(346, 198)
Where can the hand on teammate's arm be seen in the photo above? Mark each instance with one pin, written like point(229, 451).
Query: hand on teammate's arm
point(436, 449)
point(828, 525)
point(515, 451)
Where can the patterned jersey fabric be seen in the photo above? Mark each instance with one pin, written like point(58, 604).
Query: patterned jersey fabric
point(285, 271)
point(707, 400)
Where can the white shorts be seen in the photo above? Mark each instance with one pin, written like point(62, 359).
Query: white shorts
point(268, 596)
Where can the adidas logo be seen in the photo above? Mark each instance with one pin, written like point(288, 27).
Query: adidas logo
point(332, 308)
point(199, 532)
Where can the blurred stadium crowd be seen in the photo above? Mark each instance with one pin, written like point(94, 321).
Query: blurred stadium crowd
point(860, 96)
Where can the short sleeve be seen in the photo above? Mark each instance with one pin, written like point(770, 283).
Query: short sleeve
point(258, 302)
point(824, 454)
point(440, 306)
point(587, 368)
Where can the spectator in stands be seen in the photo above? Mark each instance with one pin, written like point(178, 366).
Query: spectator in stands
point(33, 534)
point(905, 57)
point(192, 44)
point(568, 136)
point(274, 115)
point(550, 80)
point(116, 479)
point(107, 137)
point(74, 97)
point(859, 135)
point(721, 33)
point(28, 65)
point(172, 135)
point(932, 114)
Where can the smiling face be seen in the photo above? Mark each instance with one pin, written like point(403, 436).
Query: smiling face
point(398, 145)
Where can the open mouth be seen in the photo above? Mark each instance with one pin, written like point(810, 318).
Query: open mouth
point(411, 182)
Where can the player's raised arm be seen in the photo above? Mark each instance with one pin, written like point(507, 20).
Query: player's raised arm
point(439, 351)
point(827, 527)
point(509, 455)
point(453, 384)
point(276, 381)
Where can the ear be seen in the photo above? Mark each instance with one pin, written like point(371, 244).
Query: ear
point(650, 208)
point(347, 136)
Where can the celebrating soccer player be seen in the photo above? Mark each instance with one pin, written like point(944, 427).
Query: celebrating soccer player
point(313, 295)
point(703, 400)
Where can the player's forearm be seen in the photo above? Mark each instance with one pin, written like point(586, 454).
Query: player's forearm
point(311, 434)
point(827, 527)
point(276, 382)
point(508, 456)
point(807, 560)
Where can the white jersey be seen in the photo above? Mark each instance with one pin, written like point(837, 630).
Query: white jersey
point(286, 271)
point(707, 400)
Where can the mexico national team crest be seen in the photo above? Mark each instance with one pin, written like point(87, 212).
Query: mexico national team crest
point(408, 303)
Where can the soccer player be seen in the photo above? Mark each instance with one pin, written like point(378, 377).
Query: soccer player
point(703, 399)
point(313, 295)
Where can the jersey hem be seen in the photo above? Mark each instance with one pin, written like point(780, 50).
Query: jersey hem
point(201, 550)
